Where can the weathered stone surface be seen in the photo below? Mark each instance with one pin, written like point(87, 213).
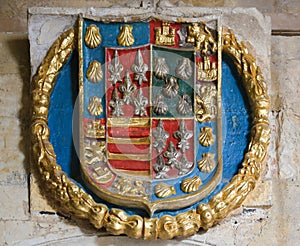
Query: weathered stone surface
point(14, 202)
point(38, 202)
point(39, 24)
point(279, 225)
point(13, 165)
point(261, 196)
point(285, 95)
point(42, 229)
point(14, 54)
point(13, 14)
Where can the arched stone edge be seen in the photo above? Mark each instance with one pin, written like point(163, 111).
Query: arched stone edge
point(71, 200)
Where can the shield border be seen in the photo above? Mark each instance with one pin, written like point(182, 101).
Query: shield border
point(173, 203)
point(71, 200)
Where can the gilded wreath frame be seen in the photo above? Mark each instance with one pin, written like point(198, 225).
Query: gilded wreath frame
point(71, 200)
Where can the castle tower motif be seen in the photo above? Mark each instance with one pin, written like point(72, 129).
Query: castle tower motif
point(165, 35)
point(95, 129)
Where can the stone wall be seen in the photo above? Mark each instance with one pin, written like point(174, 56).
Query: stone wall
point(273, 223)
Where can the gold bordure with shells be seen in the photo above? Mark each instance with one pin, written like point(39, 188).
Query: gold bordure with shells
point(69, 199)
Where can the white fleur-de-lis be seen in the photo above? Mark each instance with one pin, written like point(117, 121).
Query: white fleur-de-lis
point(184, 165)
point(140, 103)
point(161, 168)
point(116, 104)
point(172, 155)
point(127, 88)
point(160, 137)
point(183, 135)
point(115, 69)
point(139, 68)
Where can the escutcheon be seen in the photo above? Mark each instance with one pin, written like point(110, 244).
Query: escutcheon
point(153, 112)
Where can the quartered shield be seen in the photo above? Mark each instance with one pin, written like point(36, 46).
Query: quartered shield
point(150, 112)
point(166, 147)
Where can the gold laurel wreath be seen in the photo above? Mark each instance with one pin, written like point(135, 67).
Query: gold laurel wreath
point(71, 200)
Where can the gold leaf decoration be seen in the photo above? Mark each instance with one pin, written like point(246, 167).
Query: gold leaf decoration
point(92, 36)
point(95, 107)
point(207, 163)
point(125, 37)
point(69, 199)
point(94, 72)
point(164, 190)
point(118, 222)
point(206, 137)
point(190, 184)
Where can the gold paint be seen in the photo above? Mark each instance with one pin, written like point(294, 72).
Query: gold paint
point(202, 111)
point(207, 70)
point(145, 140)
point(94, 72)
point(59, 189)
point(128, 122)
point(201, 38)
point(125, 37)
point(95, 152)
point(208, 102)
point(206, 137)
point(134, 173)
point(95, 107)
point(165, 35)
point(118, 222)
point(190, 184)
point(150, 228)
point(95, 130)
point(74, 201)
point(206, 214)
point(207, 163)
point(127, 187)
point(126, 157)
point(184, 224)
point(102, 175)
point(92, 36)
point(164, 190)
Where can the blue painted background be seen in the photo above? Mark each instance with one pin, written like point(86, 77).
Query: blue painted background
point(109, 33)
point(236, 126)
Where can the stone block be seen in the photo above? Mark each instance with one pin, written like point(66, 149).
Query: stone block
point(40, 39)
point(261, 196)
point(13, 152)
point(14, 202)
point(11, 95)
point(285, 95)
point(38, 203)
point(15, 232)
point(14, 54)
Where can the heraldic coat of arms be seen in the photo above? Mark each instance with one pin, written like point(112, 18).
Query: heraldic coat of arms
point(151, 125)
point(153, 111)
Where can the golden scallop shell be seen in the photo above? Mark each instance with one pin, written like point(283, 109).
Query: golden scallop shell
point(94, 72)
point(92, 36)
point(207, 163)
point(164, 190)
point(190, 184)
point(125, 37)
point(95, 107)
point(206, 137)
